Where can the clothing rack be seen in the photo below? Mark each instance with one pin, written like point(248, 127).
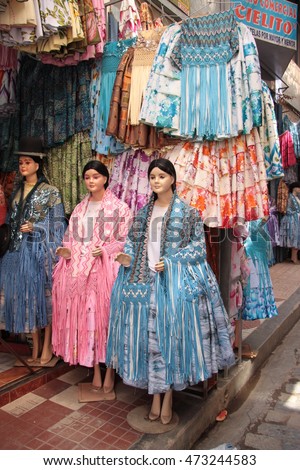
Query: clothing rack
point(171, 17)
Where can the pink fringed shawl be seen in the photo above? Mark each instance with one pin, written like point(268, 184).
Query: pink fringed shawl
point(82, 285)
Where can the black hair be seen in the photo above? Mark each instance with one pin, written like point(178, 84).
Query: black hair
point(164, 165)
point(97, 166)
point(293, 186)
point(39, 161)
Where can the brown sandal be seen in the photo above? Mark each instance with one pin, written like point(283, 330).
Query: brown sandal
point(247, 353)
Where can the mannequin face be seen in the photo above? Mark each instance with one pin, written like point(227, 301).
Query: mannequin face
point(160, 181)
point(27, 166)
point(94, 181)
point(296, 192)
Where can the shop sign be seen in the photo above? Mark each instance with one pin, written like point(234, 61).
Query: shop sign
point(183, 5)
point(270, 21)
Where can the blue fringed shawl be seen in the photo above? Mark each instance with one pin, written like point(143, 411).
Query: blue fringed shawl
point(192, 324)
point(205, 47)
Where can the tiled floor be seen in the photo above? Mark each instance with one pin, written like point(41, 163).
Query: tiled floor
point(44, 413)
point(51, 417)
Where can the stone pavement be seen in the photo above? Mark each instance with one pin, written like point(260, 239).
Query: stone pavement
point(269, 418)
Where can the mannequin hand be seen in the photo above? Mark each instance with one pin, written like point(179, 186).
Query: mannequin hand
point(27, 227)
point(63, 252)
point(159, 267)
point(97, 251)
point(123, 259)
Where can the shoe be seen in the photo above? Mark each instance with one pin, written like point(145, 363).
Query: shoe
point(166, 419)
point(151, 416)
point(96, 388)
point(249, 355)
point(43, 362)
point(247, 352)
point(30, 360)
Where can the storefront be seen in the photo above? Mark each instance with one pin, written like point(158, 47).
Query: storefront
point(74, 88)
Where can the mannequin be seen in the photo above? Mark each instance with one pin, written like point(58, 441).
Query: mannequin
point(259, 301)
point(36, 218)
point(290, 223)
point(84, 276)
point(168, 327)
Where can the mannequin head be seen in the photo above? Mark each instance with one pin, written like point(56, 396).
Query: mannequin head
point(96, 176)
point(162, 176)
point(294, 188)
point(28, 167)
point(31, 157)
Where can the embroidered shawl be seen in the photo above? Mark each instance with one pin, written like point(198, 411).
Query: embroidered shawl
point(187, 296)
point(83, 277)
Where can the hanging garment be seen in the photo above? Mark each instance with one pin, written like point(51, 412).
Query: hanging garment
point(294, 128)
point(99, 9)
point(146, 16)
point(225, 181)
point(26, 268)
point(129, 178)
point(130, 22)
point(54, 101)
point(64, 164)
point(117, 120)
point(258, 293)
point(125, 106)
point(269, 136)
point(205, 47)
point(7, 180)
point(103, 78)
point(9, 135)
point(82, 284)
point(239, 272)
point(290, 174)
point(282, 197)
point(3, 208)
point(290, 224)
point(287, 150)
point(244, 77)
point(170, 329)
point(108, 160)
point(272, 226)
point(18, 23)
point(143, 56)
point(113, 27)
point(161, 103)
point(8, 80)
point(8, 58)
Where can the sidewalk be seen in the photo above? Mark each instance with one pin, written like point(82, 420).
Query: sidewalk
point(50, 416)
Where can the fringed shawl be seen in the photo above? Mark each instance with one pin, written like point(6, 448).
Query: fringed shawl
point(205, 47)
point(186, 290)
point(26, 268)
point(84, 279)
